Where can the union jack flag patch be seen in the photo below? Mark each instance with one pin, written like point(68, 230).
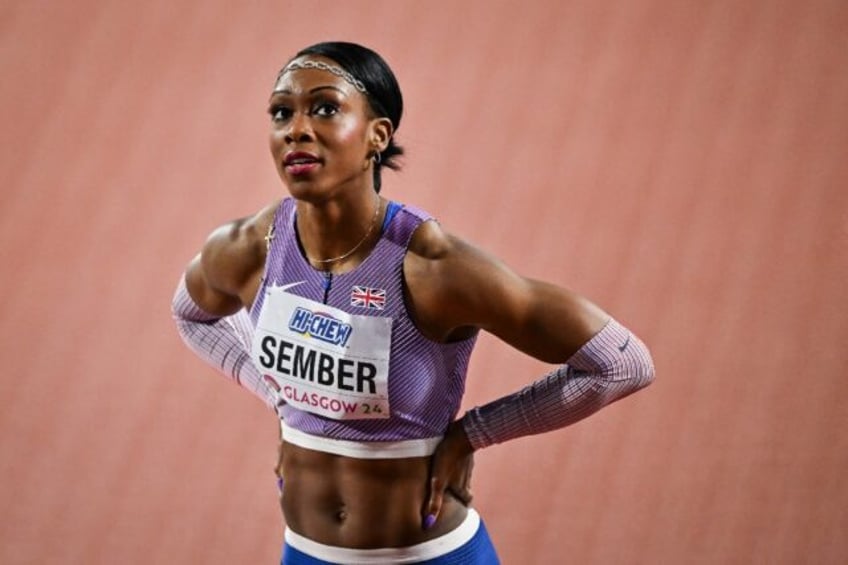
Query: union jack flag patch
point(365, 297)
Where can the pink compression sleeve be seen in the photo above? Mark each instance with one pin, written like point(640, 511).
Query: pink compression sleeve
point(610, 366)
point(223, 343)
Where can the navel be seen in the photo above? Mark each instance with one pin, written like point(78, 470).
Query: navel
point(341, 515)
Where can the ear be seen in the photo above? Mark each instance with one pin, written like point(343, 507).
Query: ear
point(380, 134)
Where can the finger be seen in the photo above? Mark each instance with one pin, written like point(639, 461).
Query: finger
point(434, 502)
point(462, 493)
point(466, 475)
point(461, 488)
point(278, 468)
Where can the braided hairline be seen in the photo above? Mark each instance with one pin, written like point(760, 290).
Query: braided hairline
point(321, 65)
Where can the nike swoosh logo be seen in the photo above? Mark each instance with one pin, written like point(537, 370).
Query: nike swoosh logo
point(626, 343)
point(290, 285)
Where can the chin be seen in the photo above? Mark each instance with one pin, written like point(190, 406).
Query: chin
point(307, 190)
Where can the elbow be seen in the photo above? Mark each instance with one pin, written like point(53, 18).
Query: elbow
point(645, 372)
point(619, 361)
point(181, 302)
point(638, 363)
point(185, 310)
point(636, 369)
point(629, 371)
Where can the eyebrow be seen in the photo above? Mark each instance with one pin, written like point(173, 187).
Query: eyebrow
point(311, 91)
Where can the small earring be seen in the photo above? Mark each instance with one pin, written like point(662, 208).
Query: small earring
point(377, 158)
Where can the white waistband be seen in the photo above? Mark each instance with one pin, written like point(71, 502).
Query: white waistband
point(442, 545)
point(362, 449)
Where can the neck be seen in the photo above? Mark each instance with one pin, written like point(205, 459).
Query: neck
point(335, 232)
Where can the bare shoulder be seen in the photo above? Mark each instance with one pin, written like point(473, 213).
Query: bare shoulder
point(449, 282)
point(431, 242)
point(236, 250)
point(224, 276)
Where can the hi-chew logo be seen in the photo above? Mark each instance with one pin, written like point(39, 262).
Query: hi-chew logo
point(320, 326)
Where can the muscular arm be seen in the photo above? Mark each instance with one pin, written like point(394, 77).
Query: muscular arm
point(454, 287)
point(209, 304)
point(224, 278)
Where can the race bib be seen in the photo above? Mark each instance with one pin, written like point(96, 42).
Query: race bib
point(321, 359)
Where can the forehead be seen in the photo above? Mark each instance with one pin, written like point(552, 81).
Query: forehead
point(301, 80)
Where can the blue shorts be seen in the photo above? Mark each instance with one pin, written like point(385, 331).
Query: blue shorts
point(475, 548)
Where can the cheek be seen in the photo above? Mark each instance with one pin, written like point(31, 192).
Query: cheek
point(276, 142)
point(350, 132)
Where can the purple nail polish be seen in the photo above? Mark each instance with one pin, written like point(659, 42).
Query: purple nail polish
point(429, 521)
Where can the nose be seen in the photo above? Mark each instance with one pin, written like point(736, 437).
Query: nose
point(299, 129)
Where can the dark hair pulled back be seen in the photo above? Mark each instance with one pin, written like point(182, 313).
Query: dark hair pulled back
point(384, 94)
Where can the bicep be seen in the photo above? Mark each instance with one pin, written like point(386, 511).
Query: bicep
point(221, 279)
point(205, 294)
point(546, 321)
point(467, 287)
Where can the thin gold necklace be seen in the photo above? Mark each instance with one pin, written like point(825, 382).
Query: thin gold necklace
point(355, 247)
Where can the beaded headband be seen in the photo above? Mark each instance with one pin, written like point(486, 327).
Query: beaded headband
point(321, 65)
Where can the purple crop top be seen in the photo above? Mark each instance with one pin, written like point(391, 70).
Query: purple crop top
point(426, 379)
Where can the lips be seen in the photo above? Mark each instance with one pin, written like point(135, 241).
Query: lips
point(299, 157)
point(300, 162)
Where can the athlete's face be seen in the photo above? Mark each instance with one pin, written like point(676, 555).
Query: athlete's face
point(322, 132)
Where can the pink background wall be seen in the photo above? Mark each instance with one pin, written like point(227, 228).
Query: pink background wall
point(681, 163)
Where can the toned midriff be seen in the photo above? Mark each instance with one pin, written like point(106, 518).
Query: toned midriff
point(360, 503)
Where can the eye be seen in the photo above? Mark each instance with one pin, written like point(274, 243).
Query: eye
point(279, 113)
point(326, 109)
